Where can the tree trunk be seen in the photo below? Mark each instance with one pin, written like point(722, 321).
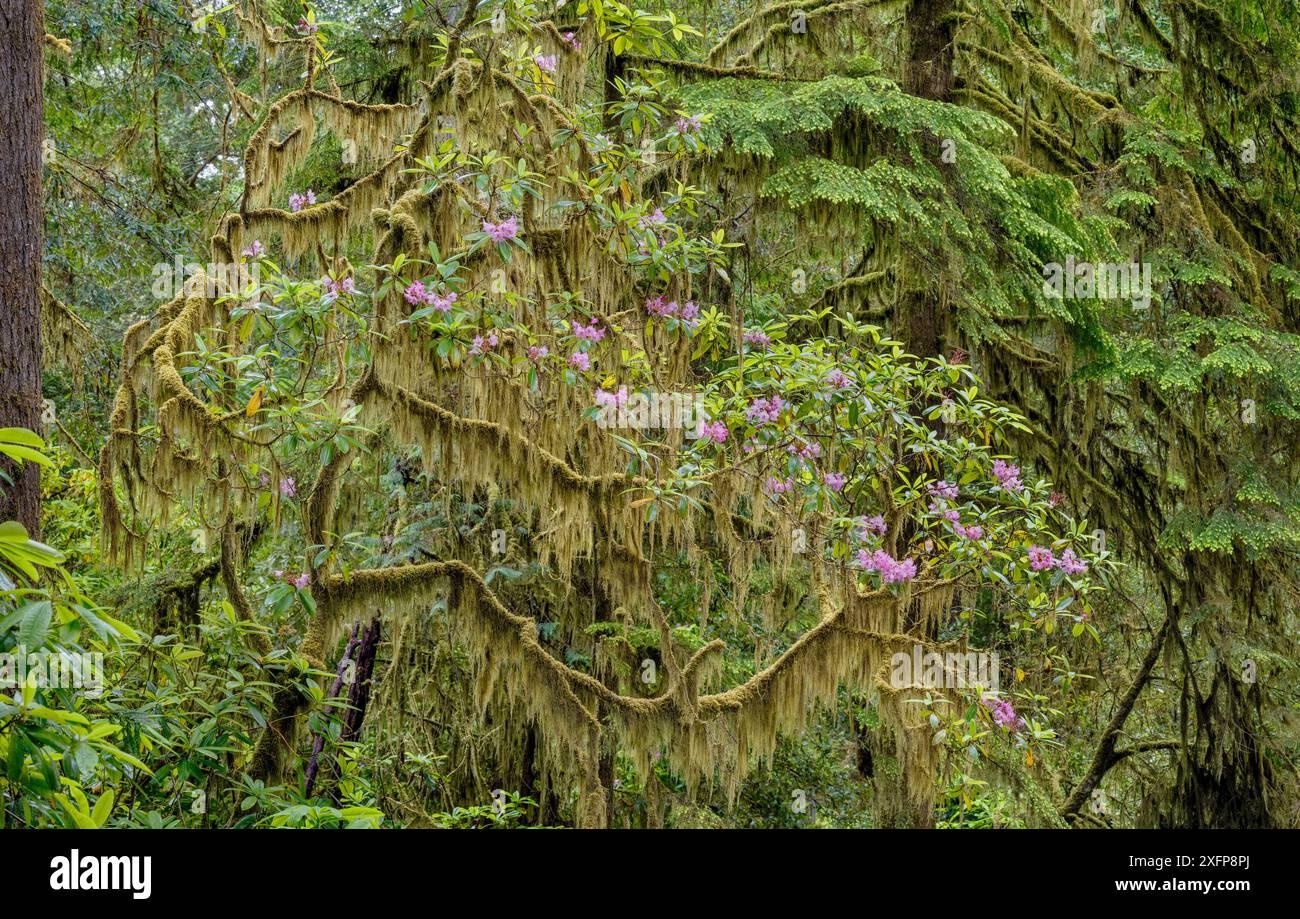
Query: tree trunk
point(930, 47)
point(928, 74)
point(22, 114)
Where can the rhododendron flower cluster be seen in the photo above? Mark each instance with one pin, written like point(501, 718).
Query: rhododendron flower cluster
point(546, 63)
point(256, 250)
point(1008, 476)
point(500, 232)
point(806, 450)
point(838, 379)
point(288, 487)
point(1004, 714)
point(971, 532)
point(590, 332)
point(1040, 559)
point(301, 581)
point(572, 41)
point(874, 524)
point(943, 489)
point(763, 411)
point(715, 431)
point(652, 220)
point(333, 287)
point(757, 337)
point(688, 125)
point(416, 293)
point(482, 345)
point(579, 360)
point(613, 399)
point(538, 352)
point(1070, 563)
point(891, 570)
point(298, 202)
point(777, 486)
point(834, 480)
point(662, 307)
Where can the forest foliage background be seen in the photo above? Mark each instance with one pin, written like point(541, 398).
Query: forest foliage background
point(821, 413)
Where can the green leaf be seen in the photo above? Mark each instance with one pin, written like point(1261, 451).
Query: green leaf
point(99, 816)
point(21, 436)
point(34, 626)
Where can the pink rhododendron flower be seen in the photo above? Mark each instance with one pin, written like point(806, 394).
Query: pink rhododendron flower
point(874, 524)
point(757, 337)
point(590, 332)
point(500, 232)
point(415, 293)
point(334, 287)
point(545, 62)
point(891, 570)
point(288, 487)
point(301, 581)
point(652, 220)
point(255, 250)
point(614, 399)
point(902, 571)
point(1008, 476)
point(971, 532)
point(715, 431)
point(572, 41)
point(688, 125)
point(660, 306)
point(777, 486)
point(762, 411)
point(807, 450)
point(1040, 559)
point(1005, 715)
point(298, 202)
point(538, 352)
point(441, 303)
point(838, 379)
point(834, 480)
point(1071, 564)
point(579, 360)
point(689, 310)
point(943, 489)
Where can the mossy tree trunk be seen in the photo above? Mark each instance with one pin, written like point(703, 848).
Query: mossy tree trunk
point(892, 807)
point(928, 74)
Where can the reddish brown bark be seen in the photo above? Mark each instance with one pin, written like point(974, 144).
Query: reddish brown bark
point(22, 114)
